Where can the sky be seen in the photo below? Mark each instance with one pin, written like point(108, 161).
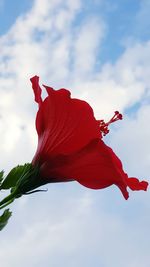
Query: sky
point(100, 51)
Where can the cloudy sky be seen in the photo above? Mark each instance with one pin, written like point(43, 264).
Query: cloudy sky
point(100, 50)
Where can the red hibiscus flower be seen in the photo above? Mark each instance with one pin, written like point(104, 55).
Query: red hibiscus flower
point(70, 145)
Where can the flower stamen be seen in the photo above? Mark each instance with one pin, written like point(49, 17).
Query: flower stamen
point(104, 125)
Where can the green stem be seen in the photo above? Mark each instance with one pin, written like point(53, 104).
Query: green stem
point(7, 200)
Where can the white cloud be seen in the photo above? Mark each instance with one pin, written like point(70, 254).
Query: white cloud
point(73, 231)
point(86, 45)
point(120, 85)
point(135, 132)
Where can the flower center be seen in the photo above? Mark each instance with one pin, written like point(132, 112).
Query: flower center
point(104, 125)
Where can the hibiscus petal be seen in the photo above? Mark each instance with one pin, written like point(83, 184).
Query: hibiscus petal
point(134, 184)
point(64, 125)
point(36, 88)
point(96, 167)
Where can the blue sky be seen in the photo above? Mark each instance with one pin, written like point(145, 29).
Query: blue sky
point(9, 11)
point(100, 50)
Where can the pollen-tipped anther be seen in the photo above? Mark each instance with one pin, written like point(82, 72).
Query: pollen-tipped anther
point(104, 126)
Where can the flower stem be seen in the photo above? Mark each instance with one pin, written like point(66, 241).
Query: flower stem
point(7, 200)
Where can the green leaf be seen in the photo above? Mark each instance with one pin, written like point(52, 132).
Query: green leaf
point(14, 175)
point(4, 218)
